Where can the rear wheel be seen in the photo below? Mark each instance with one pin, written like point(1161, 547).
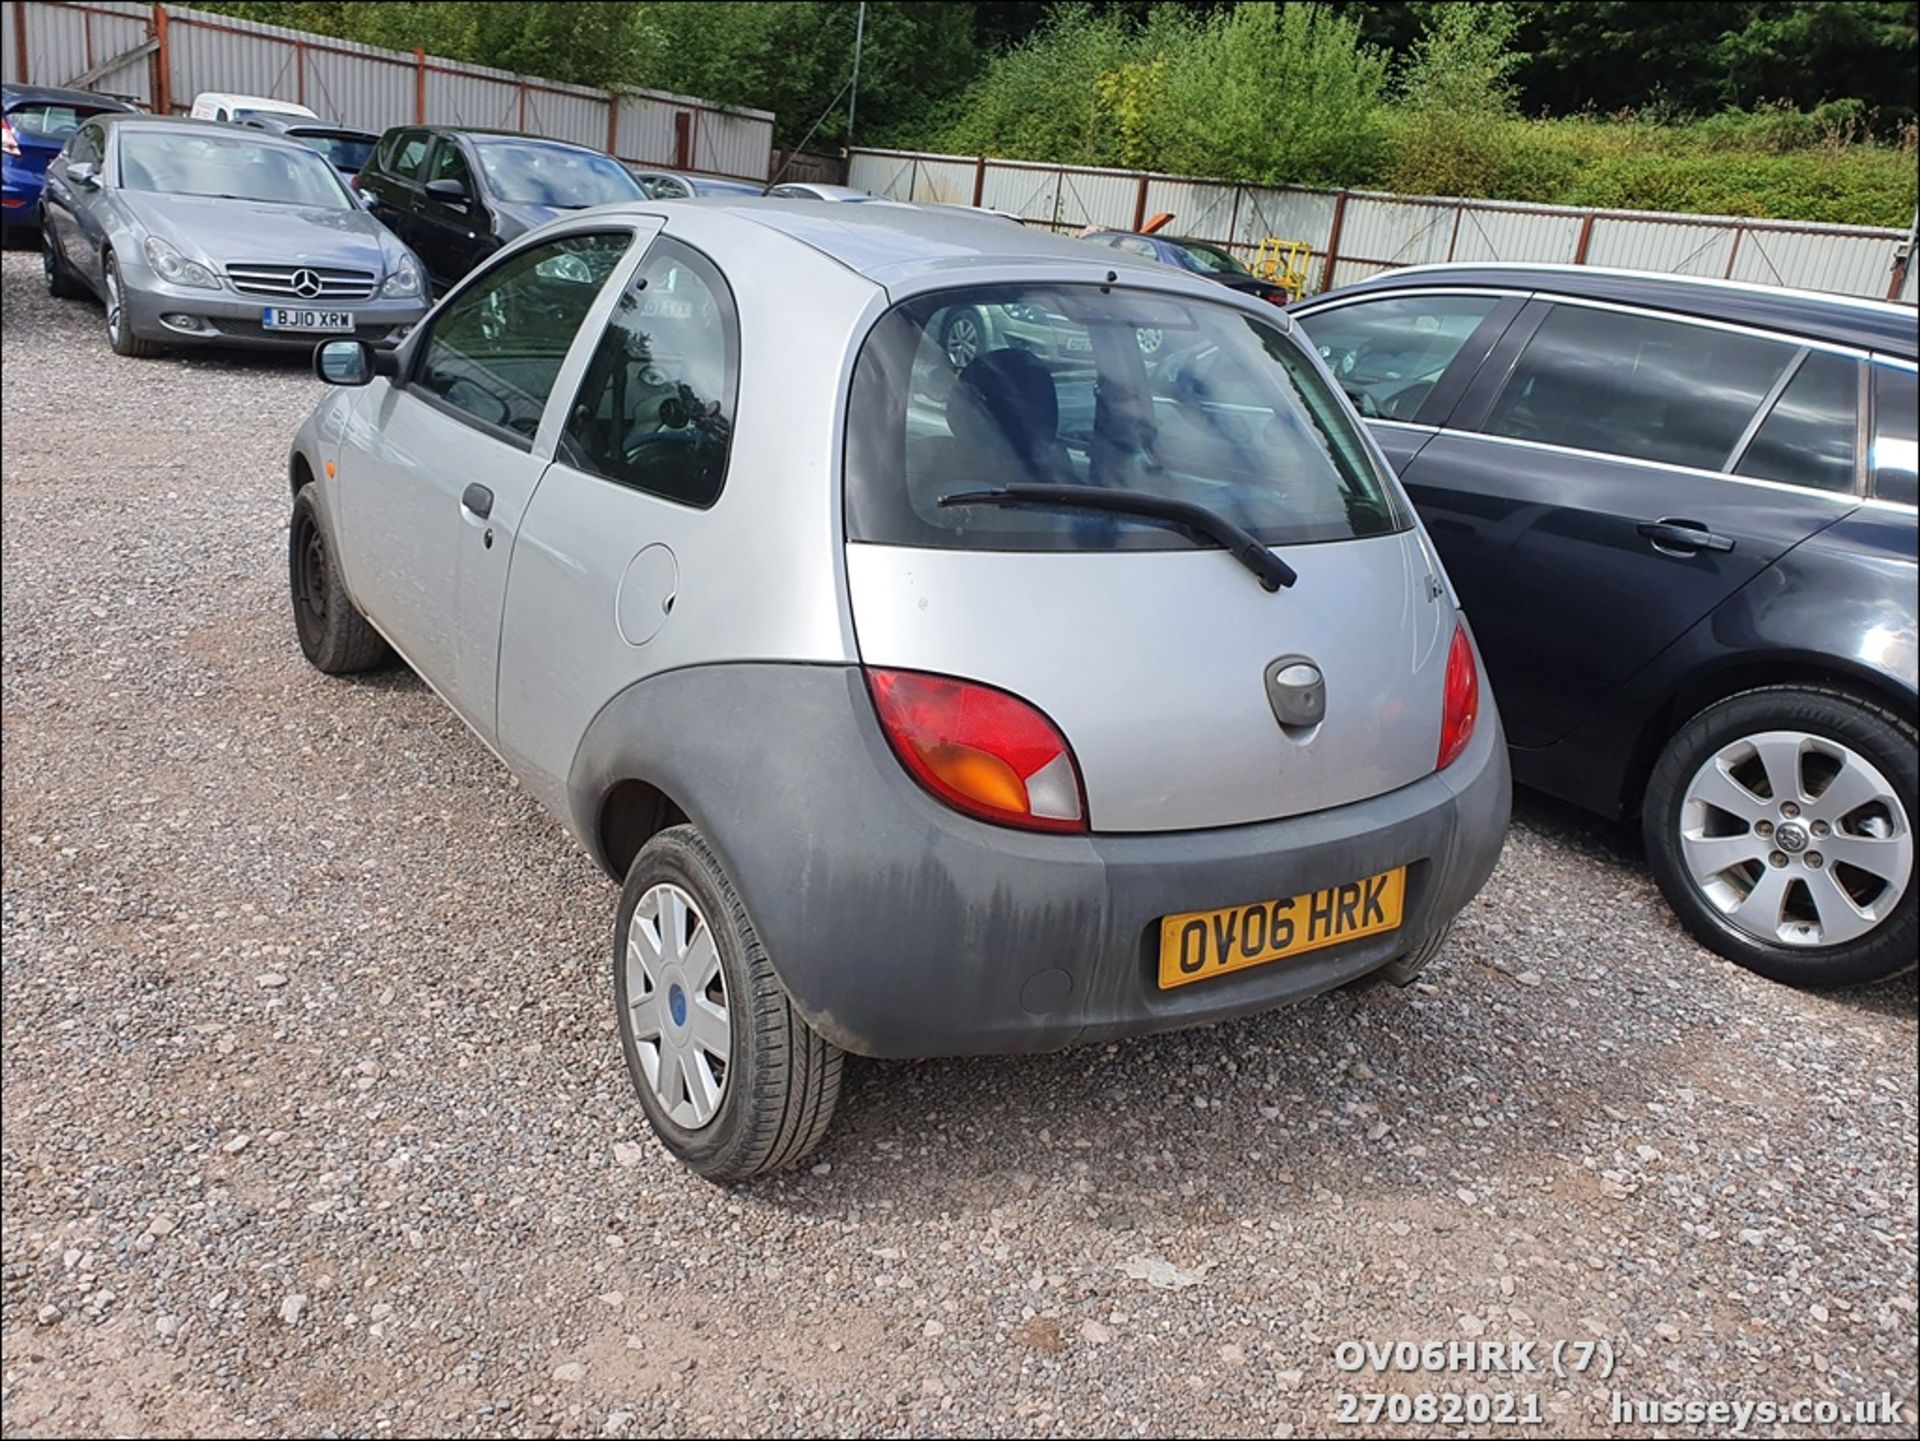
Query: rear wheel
point(334, 636)
point(119, 323)
point(60, 284)
point(732, 1078)
point(1779, 823)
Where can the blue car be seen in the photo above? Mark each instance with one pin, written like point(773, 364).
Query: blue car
point(1200, 257)
point(35, 121)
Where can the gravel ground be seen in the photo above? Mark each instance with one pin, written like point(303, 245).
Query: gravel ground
point(315, 1120)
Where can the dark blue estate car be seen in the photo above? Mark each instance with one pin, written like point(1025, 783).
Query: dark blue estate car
point(1681, 515)
point(35, 121)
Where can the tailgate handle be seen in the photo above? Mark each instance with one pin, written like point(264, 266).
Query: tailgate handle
point(1687, 536)
point(478, 499)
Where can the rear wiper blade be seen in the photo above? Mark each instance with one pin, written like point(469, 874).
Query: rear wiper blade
point(1271, 571)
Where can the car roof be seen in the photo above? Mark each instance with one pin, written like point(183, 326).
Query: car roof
point(175, 124)
point(490, 132)
point(894, 243)
point(1839, 319)
point(27, 94)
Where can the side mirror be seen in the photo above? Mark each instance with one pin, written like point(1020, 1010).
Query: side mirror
point(84, 173)
point(449, 192)
point(352, 362)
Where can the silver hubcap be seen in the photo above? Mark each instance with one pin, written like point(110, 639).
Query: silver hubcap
point(113, 303)
point(1795, 839)
point(963, 340)
point(677, 1006)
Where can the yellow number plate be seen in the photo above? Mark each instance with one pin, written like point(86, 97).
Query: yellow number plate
point(1200, 944)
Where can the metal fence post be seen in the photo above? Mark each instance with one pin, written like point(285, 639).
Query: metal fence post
point(20, 39)
point(1733, 252)
point(162, 64)
point(979, 178)
point(419, 86)
point(1140, 204)
point(1333, 239)
point(1586, 238)
point(613, 124)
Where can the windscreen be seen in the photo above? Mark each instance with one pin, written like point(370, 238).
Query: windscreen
point(233, 167)
point(342, 149)
point(1182, 399)
point(521, 173)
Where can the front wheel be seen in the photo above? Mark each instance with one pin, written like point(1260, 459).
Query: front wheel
point(119, 323)
point(334, 636)
point(733, 1080)
point(1779, 824)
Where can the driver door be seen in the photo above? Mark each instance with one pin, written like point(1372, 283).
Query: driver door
point(439, 466)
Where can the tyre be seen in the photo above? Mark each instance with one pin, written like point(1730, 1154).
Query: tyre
point(1406, 969)
point(60, 284)
point(1779, 824)
point(119, 325)
point(963, 335)
point(732, 1078)
point(335, 637)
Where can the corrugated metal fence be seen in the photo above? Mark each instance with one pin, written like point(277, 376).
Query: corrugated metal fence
point(1352, 234)
point(162, 56)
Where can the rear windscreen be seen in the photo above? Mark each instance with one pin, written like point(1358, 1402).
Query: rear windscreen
point(965, 390)
point(346, 149)
point(49, 122)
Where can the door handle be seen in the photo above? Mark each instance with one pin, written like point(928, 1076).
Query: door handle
point(478, 499)
point(1685, 536)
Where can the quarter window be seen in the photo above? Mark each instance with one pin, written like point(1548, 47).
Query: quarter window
point(496, 349)
point(1893, 459)
point(409, 149)
point(1638, 386)
point(1389, 354)
point(1809, 438)
point(655, 409)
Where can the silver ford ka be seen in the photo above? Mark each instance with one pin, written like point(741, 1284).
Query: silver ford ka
point(924, 705)
point(193, 233)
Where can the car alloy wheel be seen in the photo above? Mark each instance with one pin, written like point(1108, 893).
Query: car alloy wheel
point(963, 339)
point(1795, 839)
point(677, 1005)
point(116, 312)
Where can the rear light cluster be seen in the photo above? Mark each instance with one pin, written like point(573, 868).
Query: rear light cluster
point(980, 750)
point(7, 142)
point(1461, 707)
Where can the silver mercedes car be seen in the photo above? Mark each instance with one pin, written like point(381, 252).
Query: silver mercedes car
point(195, 233)
point(922, 707)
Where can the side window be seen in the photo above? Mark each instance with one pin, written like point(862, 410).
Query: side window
point(1809, 437)
point(496, 348)
point(1637, 386)
point(655, 409)
point(1388, 354)
point(409, 149)
point(450, 164)
point(1893, 460)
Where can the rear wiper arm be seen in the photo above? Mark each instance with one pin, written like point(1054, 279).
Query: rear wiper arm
point(1271, 571)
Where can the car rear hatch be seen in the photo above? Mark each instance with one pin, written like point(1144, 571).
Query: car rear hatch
point(1176, 678)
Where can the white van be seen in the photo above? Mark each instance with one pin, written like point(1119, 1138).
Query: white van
point(212, 105)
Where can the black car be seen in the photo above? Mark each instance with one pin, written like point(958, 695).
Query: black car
point(1680, 514)
point(456, 195)
point(345, 148)
point(1202, 257)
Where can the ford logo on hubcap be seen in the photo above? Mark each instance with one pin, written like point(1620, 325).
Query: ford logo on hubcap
point(306, 283)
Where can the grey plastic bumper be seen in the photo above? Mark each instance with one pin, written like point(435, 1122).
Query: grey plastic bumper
point(901, 928)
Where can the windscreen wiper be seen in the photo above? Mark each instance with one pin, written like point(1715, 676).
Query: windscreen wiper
point(1271, 571)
